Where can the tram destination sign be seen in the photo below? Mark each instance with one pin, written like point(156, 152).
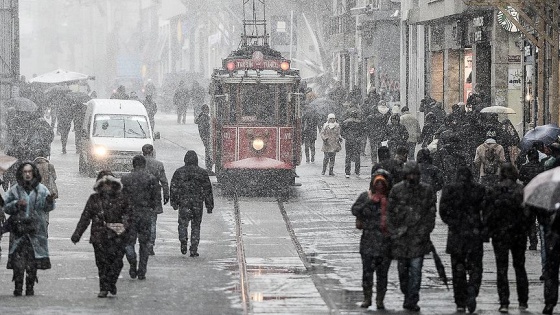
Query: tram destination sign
point(240, 64)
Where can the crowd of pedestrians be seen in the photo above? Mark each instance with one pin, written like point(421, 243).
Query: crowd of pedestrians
point(471, 161)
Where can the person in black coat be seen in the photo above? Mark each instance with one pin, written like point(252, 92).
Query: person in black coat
point(204, 131)
point(376, 127)
point(142, 192)
point(429, 173)
point(190, 190)
point(107, 204)
point(508, 224)
point(460, 208)
point(352, 130)
point(370, 210)
point(527, 172)
point(310, 124)
point(397, 135)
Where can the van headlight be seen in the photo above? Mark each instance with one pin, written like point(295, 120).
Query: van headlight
point(258, 144)
point(99, 151)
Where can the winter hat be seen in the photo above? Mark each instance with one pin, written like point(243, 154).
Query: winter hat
point(331, 115)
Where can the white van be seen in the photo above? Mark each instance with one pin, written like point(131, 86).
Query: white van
point(113, 132)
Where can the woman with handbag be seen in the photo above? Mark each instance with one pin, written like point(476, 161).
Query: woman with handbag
point(370, 210)
point(28, 202)
point(109, 214)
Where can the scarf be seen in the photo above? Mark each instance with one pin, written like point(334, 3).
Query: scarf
point(331, 125)
point(379, 197)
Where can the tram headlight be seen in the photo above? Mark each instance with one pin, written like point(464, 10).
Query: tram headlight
point(258, 144)
point(230, 66)
point(285, 66)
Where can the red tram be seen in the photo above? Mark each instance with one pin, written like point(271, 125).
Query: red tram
point(256, 120)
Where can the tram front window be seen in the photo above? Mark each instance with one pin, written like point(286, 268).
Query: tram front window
point(258, 103)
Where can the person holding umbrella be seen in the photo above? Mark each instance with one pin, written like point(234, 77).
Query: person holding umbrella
point(508, 224)
point(459, 208)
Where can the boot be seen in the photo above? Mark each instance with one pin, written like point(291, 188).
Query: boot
point(29, 283)
point(184, 247)
point(331, 172)
point(367, 297)
point(379, 301)
point(133, 272)
point(18, 285)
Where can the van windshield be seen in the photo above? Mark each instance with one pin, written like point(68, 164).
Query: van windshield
point(120, 126)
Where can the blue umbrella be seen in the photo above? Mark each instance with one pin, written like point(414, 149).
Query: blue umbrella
point(547, 134)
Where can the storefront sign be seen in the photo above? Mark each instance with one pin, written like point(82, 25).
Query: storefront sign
point(515, 77)
point(514, 58)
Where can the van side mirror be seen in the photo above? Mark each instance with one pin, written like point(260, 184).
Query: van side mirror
point(157, 135)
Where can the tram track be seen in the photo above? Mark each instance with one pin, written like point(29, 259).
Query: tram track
point(244, 274)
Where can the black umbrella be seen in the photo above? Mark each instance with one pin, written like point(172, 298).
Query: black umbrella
point(547, 134)
point(439, 266)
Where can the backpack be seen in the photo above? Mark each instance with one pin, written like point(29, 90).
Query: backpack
point(492, 161)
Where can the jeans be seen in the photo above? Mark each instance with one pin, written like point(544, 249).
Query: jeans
point(141, 230)
point(309, 147)
point(517, 246)
point(153, 230)
point(410, 278)
point(543, 230)
point(194, 216)
point(207, 153)
point(462, 265)
point(352, 155)
point(374, 145)
point(330, 157)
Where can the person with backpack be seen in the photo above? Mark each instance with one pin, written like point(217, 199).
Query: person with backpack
point(189, 191)
point(488, 158)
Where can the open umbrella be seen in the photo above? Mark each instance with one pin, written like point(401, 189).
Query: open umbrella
point(61, 76)
point(21, 104)
point(546, 134)
point(541, 184)
point(498, 110)
point(439, 266)
point(545, 196)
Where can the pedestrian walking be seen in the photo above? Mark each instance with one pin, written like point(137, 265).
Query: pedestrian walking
point(488, 158)
point(157, 170)
point(151, 108)
point(413, 128)
point(27, 203)
point(190, 190)
point(376, 128)
point(142, 190)
point(397, 135)
point(181, 101)
point(40, 137)
point(352, 130)
point(460, 208)
point(197, 96)
point(48, 177)
point(370, 210)
point(552, 241)
point(106, 209)
point(203, 122)
point(527, 172)
point(330, 134)
point(120, 93)
point(411, 216)
point(429, 129)
point(508, 224)
point(448, 159)
point(310, 125)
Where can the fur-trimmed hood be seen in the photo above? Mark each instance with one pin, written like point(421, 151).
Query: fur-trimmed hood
point(109, 179)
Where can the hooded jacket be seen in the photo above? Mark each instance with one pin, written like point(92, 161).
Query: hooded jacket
point(190, 186)
point(411, 216)
point(35, 194)
point(103, 206)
